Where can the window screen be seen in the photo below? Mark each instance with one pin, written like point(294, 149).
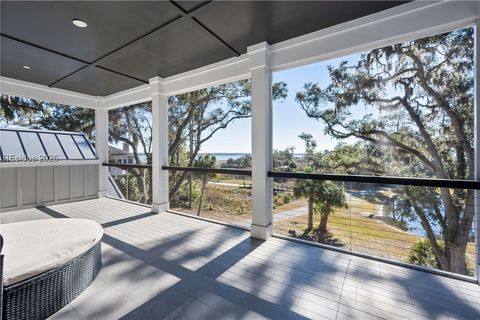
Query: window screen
point(84, 146)
point(10, 143)
point(69, 146)
point(32, 144)
point(52, 146)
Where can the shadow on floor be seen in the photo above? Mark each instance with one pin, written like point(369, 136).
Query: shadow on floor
point(291, 281)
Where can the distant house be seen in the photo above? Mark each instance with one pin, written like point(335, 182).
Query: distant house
point(123, 156)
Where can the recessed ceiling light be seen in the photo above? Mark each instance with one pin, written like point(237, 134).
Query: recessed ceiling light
point(79, 23)
point(26, 67)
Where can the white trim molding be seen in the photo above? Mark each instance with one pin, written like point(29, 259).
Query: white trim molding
point(409, 21)
point(128, 97)
point(40, 92)
point(477, 145)
point(229, 70)
point(24, 164)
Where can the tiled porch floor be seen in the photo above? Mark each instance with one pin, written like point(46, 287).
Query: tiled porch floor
point(168, 266)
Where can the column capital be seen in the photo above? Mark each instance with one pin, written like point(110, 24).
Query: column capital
point(156, 85)
point(259, 55)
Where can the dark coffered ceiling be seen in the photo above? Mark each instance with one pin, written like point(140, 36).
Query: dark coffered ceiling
point(128, 42)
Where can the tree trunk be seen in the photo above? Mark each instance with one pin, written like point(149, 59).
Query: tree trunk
point(324, 219)
point(452, 258)
point(456, 257)
point(190, 191)
point(310, 212)
point(204, 182)
point(190, 178)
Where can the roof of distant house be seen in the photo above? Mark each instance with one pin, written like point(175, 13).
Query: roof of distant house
point(114, 151)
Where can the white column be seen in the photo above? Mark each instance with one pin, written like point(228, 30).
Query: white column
point(101, 148)
point(261, 227)
point(477, 142)
point(160, 201)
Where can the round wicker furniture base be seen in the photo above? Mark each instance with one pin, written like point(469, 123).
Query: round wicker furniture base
point(41, 296)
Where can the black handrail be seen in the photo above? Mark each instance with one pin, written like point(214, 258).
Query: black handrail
point(423, 182)
point(127, 166)
point(238, 172)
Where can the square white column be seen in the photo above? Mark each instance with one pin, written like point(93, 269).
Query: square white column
point(261, 74)
point(477, 144)
point(160, 202)
point(101, 149)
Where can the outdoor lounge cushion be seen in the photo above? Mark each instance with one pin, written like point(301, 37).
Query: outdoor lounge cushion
point(34, 247)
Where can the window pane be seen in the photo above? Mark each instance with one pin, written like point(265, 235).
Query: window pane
point(69, 146)
point(404, 110)
point(51, 144)
point(211, 128)
point(84, 147)
point(372, 113)
point(51, 116)
point(123, 133)
point(10, 143)
point(32, 144)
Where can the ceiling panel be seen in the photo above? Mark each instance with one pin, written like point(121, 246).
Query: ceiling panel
point(45, 67)
point(178, 47)
point(245, 23)
point(111, 24)
point(125, 36)
point(97, 82)
point(189, 5)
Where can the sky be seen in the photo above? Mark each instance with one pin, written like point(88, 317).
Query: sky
point(289, 120)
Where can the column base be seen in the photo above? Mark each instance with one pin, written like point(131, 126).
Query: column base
point(160, 207)
point(261, 232)
point(102, 193)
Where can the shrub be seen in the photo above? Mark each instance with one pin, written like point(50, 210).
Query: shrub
point(421, 253)
point(278, 200)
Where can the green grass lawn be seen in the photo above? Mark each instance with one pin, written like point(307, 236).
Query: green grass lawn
point(224, 203)
point(237, 181)
point(361, 234)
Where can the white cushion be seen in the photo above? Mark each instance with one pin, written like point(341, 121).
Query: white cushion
point(34, 247)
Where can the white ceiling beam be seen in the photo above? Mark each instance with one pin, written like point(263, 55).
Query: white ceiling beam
point(43, 93)
point(405, 22)
point(225, 71)
point(128, 97)
point(414, 20)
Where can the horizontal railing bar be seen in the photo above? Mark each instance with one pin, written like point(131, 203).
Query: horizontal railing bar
point(128, 166)
point(421, 182)
point(238, 172)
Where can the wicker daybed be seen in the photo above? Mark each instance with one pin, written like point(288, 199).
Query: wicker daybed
point(46, 264)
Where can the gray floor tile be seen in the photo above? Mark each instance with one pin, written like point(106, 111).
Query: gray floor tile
point(168, 266)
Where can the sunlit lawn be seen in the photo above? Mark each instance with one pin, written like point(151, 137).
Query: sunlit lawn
point(360, 234)
point(223, 203)
point(356, 233)
point(293, 205)
point(236, 181)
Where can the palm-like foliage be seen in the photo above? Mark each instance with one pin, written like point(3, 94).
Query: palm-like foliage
point(324, 195)
point(205, 161)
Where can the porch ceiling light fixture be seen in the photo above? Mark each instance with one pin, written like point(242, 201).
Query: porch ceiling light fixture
point(26, 67)
point(79, 23)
